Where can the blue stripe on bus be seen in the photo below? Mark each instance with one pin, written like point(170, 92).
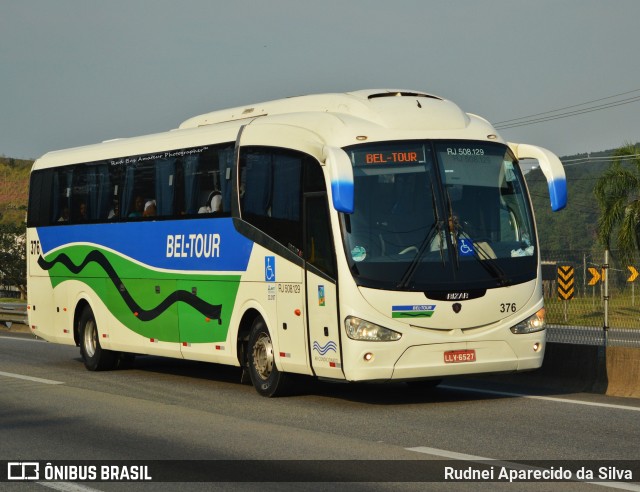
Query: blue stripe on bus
point(343, 196)
point(190, 245)
point(558, 194)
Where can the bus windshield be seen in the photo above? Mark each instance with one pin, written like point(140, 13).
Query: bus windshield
point(438, 216)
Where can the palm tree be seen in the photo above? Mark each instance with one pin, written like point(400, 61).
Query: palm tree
point(618, 194)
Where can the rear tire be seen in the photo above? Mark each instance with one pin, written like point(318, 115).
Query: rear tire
point(265, 376)
point(94, 356)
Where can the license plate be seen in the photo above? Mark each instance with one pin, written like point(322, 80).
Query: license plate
point(452, 356)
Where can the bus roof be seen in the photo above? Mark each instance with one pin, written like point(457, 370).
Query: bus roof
point(336, 118)
point(360, 104)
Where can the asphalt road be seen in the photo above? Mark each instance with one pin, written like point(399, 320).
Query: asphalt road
point(51, 408)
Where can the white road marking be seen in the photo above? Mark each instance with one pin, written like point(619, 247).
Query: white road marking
point(511, 465)
point(545, 398)
point(452, 455)
point(29, 378)
point(67, 487)
point(21, 339)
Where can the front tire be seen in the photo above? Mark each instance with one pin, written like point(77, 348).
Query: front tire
point(265, 376)
point(94, 356)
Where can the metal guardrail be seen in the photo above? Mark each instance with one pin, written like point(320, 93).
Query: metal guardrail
point(593, 335)
point(13, 313)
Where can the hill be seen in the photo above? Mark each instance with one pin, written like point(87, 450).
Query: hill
point(14, 189)
point(574, 228)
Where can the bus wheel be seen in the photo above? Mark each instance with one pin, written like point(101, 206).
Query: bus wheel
point(265, 376)
point(94, 356)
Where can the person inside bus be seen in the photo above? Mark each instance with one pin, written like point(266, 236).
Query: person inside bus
point(65, 215)
point(138, 207)
point(82, 212)
point(150, 209)
point(464, 237)
point(213, 205)
point(114, 213)
point(439, 241)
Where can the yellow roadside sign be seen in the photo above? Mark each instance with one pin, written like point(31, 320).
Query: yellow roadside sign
point(634, 274)
point(595, 276)
point(566, 281)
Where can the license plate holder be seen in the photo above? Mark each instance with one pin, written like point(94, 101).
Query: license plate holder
point(457, 356)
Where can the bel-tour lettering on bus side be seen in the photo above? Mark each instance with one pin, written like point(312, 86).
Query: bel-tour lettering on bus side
point(193, 245)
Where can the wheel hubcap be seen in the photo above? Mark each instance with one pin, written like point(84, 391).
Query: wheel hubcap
point(90, 338)
point(263, 356)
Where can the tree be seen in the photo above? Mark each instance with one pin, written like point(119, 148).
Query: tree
point(13, 257)
point(618, 194)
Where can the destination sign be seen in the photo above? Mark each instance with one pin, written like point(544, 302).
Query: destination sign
point(412, 154)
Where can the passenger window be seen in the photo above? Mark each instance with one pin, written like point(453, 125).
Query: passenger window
point(148, 188)
point(271, 193)
point(207, 182)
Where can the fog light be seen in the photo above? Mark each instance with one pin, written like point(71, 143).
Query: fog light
point(536, 347)
point(368, 356)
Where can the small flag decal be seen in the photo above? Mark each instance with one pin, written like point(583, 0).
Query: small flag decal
point(417, 311)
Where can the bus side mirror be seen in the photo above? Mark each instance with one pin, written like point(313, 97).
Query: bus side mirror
point(341, 173)
point(552, 169)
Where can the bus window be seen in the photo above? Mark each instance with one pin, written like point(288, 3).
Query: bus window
point(90, 196)
point(318, 243)
point(205, 176)
point(271, 193)
point(148, 183)
point(62, 183)
point(40, 212)
point(165, 173)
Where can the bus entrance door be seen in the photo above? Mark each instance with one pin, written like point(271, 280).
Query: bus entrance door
point(324, 340)
point(322, 293)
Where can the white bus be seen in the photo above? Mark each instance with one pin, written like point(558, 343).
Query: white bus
point(377, 235)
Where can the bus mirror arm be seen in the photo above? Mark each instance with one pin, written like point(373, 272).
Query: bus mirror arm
point(552, 169)
point(341, 173)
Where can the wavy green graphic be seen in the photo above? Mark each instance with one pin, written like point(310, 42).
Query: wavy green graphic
point(170, 307)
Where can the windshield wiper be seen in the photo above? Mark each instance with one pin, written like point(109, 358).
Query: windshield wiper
point(410, 271)
point(452, 225)
point(486, 257)
point(435, 229)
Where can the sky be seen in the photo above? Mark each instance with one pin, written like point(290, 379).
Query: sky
point(77, 72)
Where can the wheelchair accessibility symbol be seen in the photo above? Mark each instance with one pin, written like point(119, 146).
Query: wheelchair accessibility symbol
point(465, 247)
point(270, 268)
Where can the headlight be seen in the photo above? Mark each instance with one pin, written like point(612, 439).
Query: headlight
point(530, 325)
point(359, 329)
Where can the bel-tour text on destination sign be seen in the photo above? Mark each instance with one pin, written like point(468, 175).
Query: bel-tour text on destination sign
point(193, 245)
